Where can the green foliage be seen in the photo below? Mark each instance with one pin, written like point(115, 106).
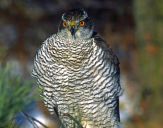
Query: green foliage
point(15, 93)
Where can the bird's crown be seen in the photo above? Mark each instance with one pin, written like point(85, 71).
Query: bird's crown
point(74, 14)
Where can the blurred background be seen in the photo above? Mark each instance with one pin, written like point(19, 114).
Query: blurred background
point(134, 30)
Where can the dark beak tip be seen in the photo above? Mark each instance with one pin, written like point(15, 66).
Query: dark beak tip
point(72, 30)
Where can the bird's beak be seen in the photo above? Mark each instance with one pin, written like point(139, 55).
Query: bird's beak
point(72, 28)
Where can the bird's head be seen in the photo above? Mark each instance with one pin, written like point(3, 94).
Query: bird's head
point(75, 24)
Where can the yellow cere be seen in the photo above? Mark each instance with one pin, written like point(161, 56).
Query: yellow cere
point(72, 23)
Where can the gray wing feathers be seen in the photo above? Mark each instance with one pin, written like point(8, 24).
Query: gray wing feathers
point(113, 88)
point(113, 63)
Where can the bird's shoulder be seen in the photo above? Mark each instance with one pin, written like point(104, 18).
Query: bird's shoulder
point(50, 39)
point(101, 43)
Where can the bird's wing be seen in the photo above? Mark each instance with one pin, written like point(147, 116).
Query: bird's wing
point(114, 87)
point(113, 62)
point(43, 71)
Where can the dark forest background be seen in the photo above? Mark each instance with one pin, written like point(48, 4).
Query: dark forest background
point(134, 30)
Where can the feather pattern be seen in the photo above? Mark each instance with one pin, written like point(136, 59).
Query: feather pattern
point(81, 78)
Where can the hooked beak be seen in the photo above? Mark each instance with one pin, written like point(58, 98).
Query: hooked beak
point(72, 28)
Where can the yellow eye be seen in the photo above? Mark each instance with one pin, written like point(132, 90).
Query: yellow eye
point(82, 23)
point(64, 24)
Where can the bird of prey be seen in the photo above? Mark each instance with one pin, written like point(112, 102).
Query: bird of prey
point(79, 74)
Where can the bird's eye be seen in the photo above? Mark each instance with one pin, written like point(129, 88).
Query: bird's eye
point(64, 24)
point(82, 23)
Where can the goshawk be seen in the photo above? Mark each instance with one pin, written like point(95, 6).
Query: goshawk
point(79, 74)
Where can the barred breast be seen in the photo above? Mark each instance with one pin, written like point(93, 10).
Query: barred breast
point(80, 78)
